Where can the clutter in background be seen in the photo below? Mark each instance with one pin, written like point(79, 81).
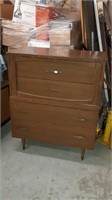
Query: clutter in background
point(15, 34)
point(38, 12)
point(2, 67)
point(43, 24)
point(56, 33)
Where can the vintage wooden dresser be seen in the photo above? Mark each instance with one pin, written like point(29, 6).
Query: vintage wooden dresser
point(55, 95)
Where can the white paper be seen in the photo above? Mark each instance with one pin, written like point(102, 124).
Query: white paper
point(25, 12)
point(39, 43)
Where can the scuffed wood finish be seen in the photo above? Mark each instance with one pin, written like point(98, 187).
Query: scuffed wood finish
point(55, 96)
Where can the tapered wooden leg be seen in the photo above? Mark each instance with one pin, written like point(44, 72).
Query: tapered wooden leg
point(23, 143)
point(82, 154)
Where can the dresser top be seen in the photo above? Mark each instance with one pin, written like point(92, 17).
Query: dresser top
point(59, 53)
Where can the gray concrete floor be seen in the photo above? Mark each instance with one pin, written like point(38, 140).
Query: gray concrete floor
point(47, 172)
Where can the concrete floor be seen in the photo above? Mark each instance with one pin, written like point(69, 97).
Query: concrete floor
point(44, 172)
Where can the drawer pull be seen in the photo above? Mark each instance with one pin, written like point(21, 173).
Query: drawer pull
point(81, 119)
point(55, 90)
point(79, 137)
point(54, 71)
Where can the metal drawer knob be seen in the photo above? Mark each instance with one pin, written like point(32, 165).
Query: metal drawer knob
point(79, 137)
point(54, 71)
point(80, 119)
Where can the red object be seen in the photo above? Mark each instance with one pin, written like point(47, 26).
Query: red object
point(43, 35)
point(44, 14)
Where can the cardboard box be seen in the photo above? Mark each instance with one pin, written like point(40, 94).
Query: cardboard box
point(6, 10)
point(60, 36)
point(65, 33)
point(14, 34)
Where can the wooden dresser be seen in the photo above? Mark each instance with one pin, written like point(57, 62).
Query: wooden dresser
point(55, 95)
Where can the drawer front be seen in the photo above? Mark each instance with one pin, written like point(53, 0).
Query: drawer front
point(40, 136)
point(70, 71)
point(53, 121)
point(56, 89)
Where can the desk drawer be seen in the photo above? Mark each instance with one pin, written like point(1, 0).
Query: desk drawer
point(48, 137)
point(56, 89)
point(54, 121)
point(70, 71)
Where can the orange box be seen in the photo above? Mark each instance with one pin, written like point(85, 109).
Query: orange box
point(44, 14)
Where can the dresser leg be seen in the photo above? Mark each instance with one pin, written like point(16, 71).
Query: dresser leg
point(23, 143)
point(82, 154)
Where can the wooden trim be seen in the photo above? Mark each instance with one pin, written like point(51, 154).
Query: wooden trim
point(12, 71)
